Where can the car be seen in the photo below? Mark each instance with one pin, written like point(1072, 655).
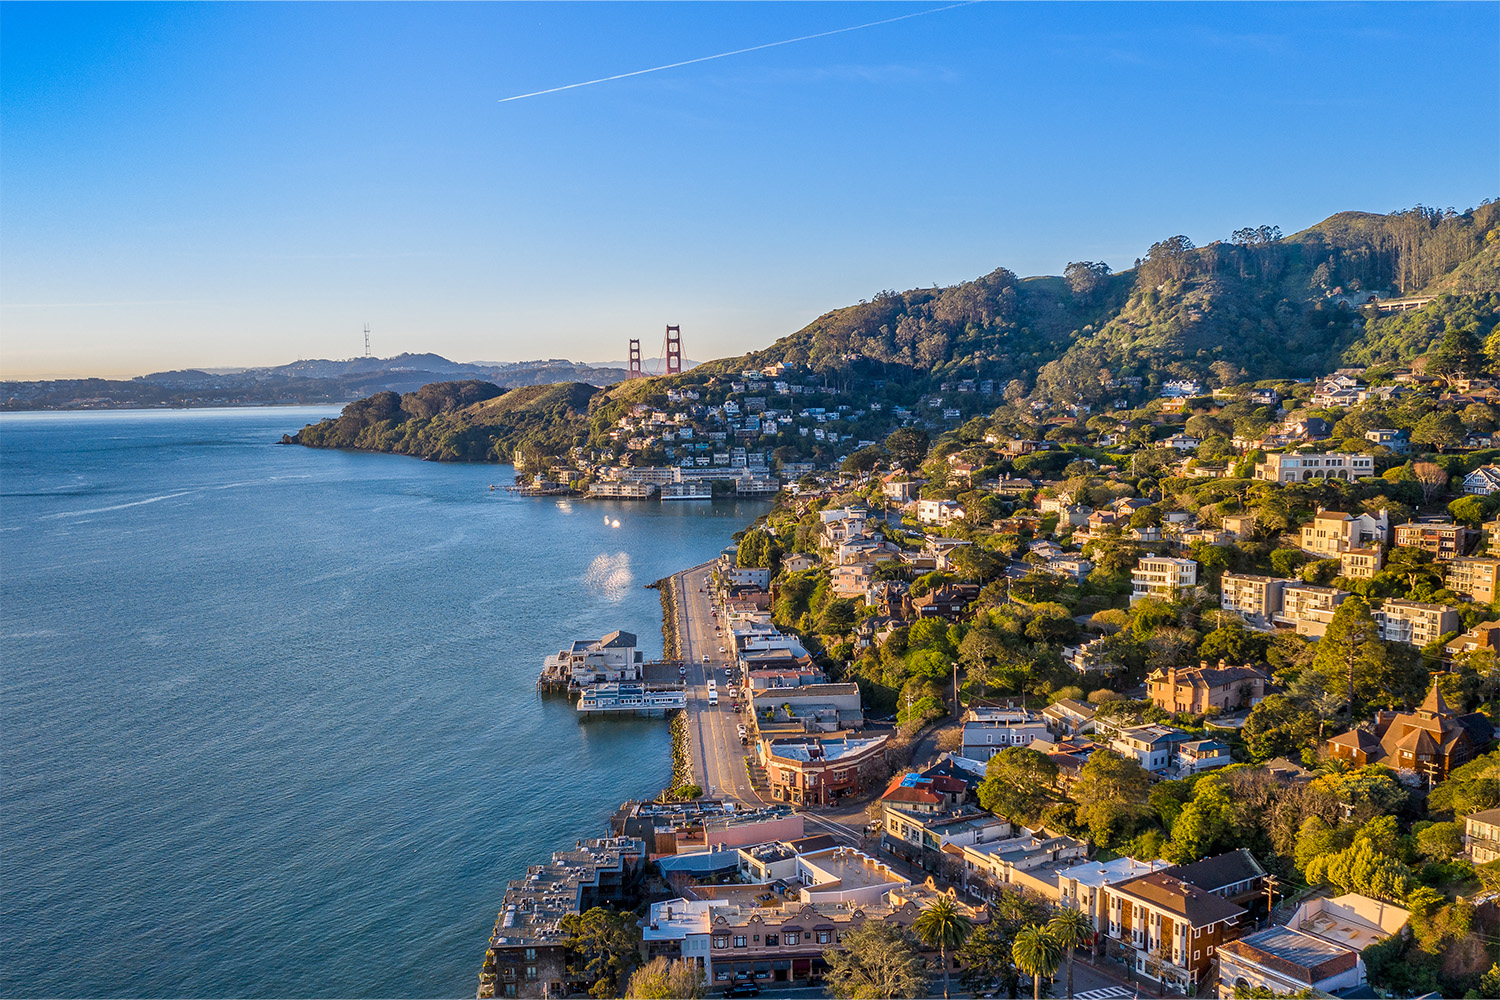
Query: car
point(682, 671)
point(743, 990)
point(705, 657)
point(721, 649)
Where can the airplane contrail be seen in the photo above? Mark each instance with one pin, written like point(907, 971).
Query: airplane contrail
point(736, 52)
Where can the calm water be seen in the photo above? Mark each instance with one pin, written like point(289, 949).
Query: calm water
point(267, 716)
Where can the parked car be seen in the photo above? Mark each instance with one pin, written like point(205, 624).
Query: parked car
point(743, 990)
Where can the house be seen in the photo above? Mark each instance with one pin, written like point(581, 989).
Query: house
point(1197, 756)
point(1482, 836)
point(1485, 635)
point(1241, 526)
point(1432, 741)
point(947, 601)
point(1333, 532)
point(851, 582)
point(1475, 578)
point(987, 731)
point(1203, 689)
point(1162, 577)
point(748, 576)
point(1308, 608)
point(1067, 717)
point(1361, 564)
point(1280, 468)
point(798, 562)
point(1441, 536)
point(938, 512)
point(1151, 746)
point(1182, 442)
point(1068, 566)
point(1483, 481)
point(923, 837)
point(1257, 599)
point(1395, 440)
point(1092, 656)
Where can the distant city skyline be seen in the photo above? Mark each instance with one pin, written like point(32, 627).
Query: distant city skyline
point(210, 186)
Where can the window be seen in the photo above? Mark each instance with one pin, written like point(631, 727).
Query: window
point(721, 941)
point(822, 937)
point(772, 939)
point(530, 972)
point(792, 937)
point(739, 940)
point(531, 954)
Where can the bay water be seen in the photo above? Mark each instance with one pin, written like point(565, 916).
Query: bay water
point(268, 724)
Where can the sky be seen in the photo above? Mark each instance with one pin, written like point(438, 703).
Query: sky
point(213, 185)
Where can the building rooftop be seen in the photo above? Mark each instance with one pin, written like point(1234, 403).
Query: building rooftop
point(1169, 892)
point(846, 868)
point(822, 750)
point(1300, 956)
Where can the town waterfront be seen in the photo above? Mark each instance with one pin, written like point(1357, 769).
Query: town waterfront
point(270, 725)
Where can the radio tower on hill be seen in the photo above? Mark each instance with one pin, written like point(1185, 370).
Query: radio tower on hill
point(367, 340)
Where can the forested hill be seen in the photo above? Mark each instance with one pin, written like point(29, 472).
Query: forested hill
point(469, 421)
point(1257, 304)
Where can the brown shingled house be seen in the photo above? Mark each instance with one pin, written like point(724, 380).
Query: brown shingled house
point(1433, 740)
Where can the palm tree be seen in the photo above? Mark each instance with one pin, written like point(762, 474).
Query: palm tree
point(1037, 953)
point(944, 927)
point(1071, 928)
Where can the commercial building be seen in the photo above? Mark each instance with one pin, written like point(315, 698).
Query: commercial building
point(526, 956)
point(611, 659)
point(818, 771)
point(1288, 962)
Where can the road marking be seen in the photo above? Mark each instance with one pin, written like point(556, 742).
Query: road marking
point(1107, 993)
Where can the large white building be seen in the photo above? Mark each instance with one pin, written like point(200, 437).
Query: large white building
point(1164, 577)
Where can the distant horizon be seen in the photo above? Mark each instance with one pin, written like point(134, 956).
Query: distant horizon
point(186, 188)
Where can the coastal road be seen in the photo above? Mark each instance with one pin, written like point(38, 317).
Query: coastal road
point(718, 757)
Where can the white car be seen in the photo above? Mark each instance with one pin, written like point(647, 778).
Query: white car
point(721, 649)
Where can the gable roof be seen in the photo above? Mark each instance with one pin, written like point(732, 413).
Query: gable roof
point(1221, 871)
point(1167, 891)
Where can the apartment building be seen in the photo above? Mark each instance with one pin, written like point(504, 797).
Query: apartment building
point(1474, 577)
point(1168, 929)
point(1257, 599)
point(1280, 468)
point(1443, 537)
point(1413, 622)
point(1162, 577)
point(1309, 608)
point(1482, 836)
point(1331, 532)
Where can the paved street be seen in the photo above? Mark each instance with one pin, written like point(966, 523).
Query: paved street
point(718, 757)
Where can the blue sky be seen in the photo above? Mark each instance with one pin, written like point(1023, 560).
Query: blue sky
point(244, 184)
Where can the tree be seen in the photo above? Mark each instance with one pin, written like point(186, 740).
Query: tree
point(1441, 841)
point(1070, 928)
point(1279, 727)
point(1431, 477)
point(1457, 354)
point(1110, 794)
point(601, 944)
point(1231, 642)
point(878, 961)
point(1015, 783)
point(1441, 429)
point(988, 959)
point(660, 979)
point(1351, 645)
point(1086, 277)
point(944, 927)
point(1038, 954)
point(837, 617)
point(863, 460)
point(907, 447)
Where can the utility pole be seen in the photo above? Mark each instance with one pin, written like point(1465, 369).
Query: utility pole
point(1271, 884)
point(956, 706)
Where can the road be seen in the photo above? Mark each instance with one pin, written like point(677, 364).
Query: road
point(718, 757)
